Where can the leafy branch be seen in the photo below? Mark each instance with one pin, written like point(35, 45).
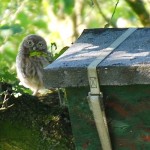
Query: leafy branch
point(103, 15)
point(139, 8)
point(110, 21)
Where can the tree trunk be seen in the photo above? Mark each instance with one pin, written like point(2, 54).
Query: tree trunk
point(139, 9)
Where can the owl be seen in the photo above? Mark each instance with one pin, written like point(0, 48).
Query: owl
point(32, 57)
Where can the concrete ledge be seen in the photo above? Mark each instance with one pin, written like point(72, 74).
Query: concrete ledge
point(128, 64)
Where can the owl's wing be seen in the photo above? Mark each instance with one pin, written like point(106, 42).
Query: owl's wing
point(46, 59)
point(49, 57)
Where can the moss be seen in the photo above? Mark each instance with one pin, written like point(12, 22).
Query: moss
point(15, 136)
point(35, 123)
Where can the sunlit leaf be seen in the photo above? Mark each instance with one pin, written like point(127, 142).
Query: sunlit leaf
point(61, 52)
point(15, 28)
point(69, 5)
point(40, 24)
point(4, 27)
point(37, 53)
point(24, 19)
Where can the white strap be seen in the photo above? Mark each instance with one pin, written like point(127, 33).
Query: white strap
point(95, 104)
point(92, 73)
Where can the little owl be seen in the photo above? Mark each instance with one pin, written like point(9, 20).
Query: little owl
point(32, 57)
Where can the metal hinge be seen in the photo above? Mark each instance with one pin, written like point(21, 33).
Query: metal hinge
point(93, 97)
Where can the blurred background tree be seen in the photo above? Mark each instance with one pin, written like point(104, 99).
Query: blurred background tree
point(60, 22)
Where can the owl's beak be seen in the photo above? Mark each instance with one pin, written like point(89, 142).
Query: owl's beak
point(34, 48)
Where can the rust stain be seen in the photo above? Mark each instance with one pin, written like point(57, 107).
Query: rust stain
point(131, 109)
point(140, 107)
point(126, 143)
point(118, 108)
point(87, 117)
point(143, 127)
point(146, 138)
point(85, 145)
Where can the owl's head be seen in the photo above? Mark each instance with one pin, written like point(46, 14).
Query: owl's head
point(34, 43)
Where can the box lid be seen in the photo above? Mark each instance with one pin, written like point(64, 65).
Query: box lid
point(128, 64)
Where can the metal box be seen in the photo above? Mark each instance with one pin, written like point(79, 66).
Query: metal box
point(124, 78)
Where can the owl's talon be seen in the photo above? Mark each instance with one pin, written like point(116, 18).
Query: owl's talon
point(35, 93)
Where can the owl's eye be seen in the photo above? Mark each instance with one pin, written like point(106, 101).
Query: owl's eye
point(40, 44)
point(30, 43)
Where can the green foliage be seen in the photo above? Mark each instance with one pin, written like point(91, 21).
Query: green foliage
point(66, 6)
point(37, 53)
point(6, 73)
point(69, 5)
point(57, 54)
point(15, 28)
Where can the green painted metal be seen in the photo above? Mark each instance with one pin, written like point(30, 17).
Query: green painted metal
point(84, 129)
point(128, 115)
